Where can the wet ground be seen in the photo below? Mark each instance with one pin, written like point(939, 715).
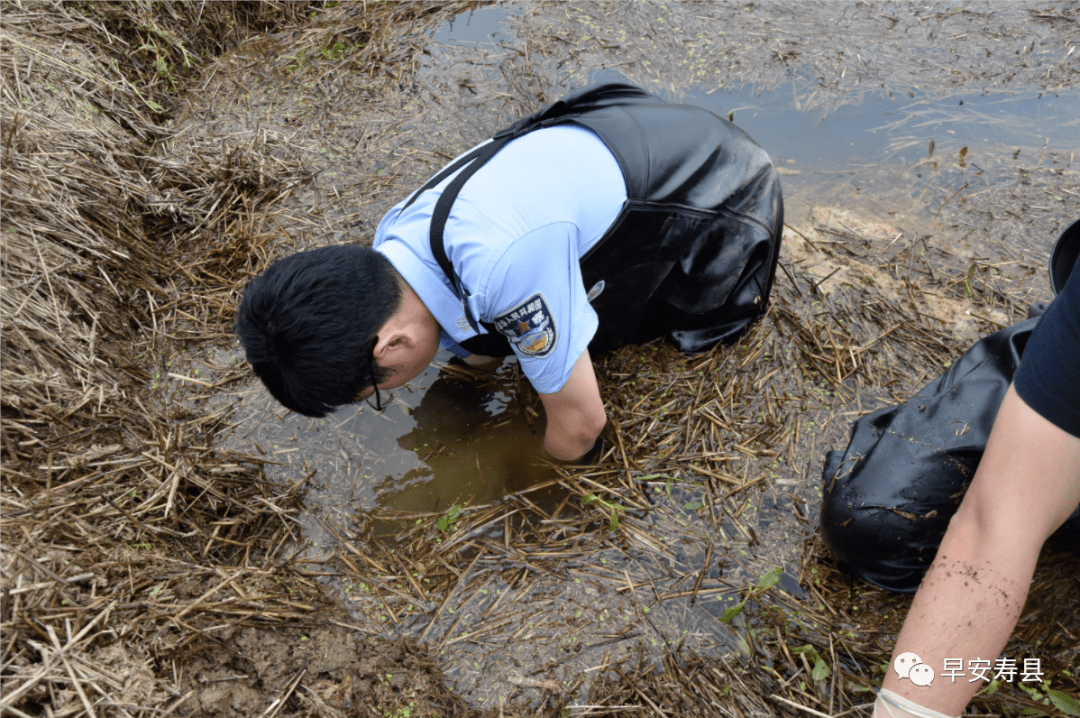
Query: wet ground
point(937, 141)
point(894, 153)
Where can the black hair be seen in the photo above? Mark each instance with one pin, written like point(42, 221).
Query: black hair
point(310, 322)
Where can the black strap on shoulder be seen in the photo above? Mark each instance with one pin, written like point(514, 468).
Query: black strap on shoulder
point(589, 97)
point(446, 172)
point(442, 213)
point(479, 157)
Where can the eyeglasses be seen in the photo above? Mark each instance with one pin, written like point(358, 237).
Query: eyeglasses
point(379, 406)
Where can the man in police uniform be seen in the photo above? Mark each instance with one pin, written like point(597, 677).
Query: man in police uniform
point(608, 218)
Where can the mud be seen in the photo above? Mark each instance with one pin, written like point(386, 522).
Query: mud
point(324, 670)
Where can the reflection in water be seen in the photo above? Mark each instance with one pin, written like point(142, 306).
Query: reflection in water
point(445, 438)
point(485, 26)
point(896, 129)
point(475, 442)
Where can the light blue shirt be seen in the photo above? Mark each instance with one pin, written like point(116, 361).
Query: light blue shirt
point(515, 236)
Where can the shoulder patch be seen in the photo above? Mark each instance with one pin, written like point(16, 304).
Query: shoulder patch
point(530, 327)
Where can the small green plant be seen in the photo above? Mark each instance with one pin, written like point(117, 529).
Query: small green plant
point(334, 52)
point(159, 56)
point(160, 63)
point(449, 521)
point(668, 481)
point(821, 669)
point(767, 581)
point(1064, 702)
point(298, 61)
point(613, 507)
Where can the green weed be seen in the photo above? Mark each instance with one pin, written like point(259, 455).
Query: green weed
point(767, 581)
point(821, 669)
point(159, 53)
point(334, 52)
point(299, 60)
point(449, 521)
point(614, 508)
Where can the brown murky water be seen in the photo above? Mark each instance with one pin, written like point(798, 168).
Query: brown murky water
point(445, 438)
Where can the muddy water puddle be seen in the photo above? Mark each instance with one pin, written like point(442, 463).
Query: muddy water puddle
point(880, 139)
point(441, 440)
point(907, 177)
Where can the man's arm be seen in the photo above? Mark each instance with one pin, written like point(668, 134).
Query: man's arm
point(485, 363)
point(575, 413)
point(1027, 484)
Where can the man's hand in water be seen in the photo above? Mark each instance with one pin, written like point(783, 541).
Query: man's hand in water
point(590, 457)
point(575, 413)
point(479, 361)
point(530, 466)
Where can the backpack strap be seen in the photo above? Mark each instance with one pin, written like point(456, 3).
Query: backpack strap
point(442, 213)
point(565, 110)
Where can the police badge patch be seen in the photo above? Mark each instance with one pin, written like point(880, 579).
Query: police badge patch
point(530, 327)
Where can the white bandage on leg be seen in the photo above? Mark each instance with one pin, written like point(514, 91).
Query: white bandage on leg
point(891, 705)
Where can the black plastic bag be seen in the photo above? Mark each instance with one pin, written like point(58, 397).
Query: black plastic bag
point(889, 496)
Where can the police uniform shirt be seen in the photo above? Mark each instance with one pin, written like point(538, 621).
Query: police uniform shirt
point(515, 236)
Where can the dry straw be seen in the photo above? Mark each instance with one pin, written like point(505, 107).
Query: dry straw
point(120, 242)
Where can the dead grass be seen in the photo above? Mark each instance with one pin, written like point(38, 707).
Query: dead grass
point(121, 242)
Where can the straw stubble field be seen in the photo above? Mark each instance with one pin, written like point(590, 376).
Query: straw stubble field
point(131, 545)
point(148, 571)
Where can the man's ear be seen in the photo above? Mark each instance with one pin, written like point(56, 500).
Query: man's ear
point(387, 340)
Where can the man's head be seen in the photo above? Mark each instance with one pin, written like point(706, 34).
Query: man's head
point(310, 325)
